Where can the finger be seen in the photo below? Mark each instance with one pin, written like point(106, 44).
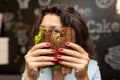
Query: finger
point(70, 64)
point(40, 45)
point(72, 59)
point(76, 47)
point(39, 52)
point(42, 59)
point(41, 64)
point(73, 53)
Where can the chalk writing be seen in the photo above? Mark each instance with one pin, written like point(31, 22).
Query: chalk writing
point(22, 39)
point(7, 19)
point(23, 4)
point(104, 4)
point(96, 28)
point(20, 30)
point(84, 12)
point(44, 2)
point(113, 57)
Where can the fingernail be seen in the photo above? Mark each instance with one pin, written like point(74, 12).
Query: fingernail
point(67, 43)
point(53, 62)
point(60, 61)
point(52, 50)
point(55, 58)
point(48, 44)
point(60, 49)
point(59, 55)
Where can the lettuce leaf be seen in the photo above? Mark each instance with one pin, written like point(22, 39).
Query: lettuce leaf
point(39, 35)
point(55, 67)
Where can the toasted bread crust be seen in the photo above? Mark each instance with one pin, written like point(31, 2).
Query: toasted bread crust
point(67, 34)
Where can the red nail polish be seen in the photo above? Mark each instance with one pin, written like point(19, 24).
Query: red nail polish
point(53, 62)
point(60, 61)
point(67, 43)
point(52, 50)
point(60, 49)
point(47, 44)
point(59, 55)
point(55, 58)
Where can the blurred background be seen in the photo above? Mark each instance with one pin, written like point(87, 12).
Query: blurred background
point(17, 18)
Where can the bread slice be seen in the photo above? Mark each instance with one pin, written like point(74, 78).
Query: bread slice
point(67, 34)
point(58, 40)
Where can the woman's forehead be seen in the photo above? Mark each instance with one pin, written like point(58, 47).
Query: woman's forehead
point(51, 20)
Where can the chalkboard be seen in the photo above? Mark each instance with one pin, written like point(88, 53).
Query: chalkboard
point(104, 27)
point(100, 16)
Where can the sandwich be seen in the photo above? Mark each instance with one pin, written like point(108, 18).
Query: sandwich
point(57, 38)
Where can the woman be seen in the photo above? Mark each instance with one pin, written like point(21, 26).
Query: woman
point(79, 63)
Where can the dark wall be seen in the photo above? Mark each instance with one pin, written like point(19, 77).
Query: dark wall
point(99, 15)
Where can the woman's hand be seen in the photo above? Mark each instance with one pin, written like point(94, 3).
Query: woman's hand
point(34, 60)
point(77, 58)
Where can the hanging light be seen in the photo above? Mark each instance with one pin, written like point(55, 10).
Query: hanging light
point(118, 6)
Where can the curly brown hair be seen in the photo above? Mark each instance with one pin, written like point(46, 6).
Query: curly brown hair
point(69, 17)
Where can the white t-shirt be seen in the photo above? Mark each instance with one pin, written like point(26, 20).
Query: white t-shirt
point(93, 73)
